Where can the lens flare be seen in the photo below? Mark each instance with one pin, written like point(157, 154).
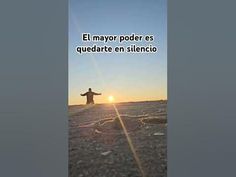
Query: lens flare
point(136, 157)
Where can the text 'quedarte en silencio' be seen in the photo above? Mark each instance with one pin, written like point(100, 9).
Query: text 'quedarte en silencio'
point(118, 49)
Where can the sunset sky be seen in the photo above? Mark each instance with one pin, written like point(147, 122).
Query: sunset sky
point(127, 77)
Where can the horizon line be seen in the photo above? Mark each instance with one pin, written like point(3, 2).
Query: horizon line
point(119, 102)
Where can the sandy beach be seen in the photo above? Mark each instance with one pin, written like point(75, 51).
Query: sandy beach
point(99, 146)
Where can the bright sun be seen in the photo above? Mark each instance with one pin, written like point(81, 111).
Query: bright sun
point(111, 99)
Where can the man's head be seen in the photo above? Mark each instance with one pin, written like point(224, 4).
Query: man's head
point(89, 89)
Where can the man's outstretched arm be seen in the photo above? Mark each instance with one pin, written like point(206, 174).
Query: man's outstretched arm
point(83, 94)
point(97, 93)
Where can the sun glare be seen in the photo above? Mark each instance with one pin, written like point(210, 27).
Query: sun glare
point(110, 98)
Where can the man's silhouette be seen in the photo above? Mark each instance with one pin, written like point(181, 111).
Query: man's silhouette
point(89, 95)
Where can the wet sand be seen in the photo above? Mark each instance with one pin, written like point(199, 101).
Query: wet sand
point(98, 145)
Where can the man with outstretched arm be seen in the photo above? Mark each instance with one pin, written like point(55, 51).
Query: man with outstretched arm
point(90, 95)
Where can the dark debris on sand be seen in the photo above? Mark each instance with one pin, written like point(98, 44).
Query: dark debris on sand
point(98, 146)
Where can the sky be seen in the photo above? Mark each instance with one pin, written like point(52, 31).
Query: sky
point(127, 77)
